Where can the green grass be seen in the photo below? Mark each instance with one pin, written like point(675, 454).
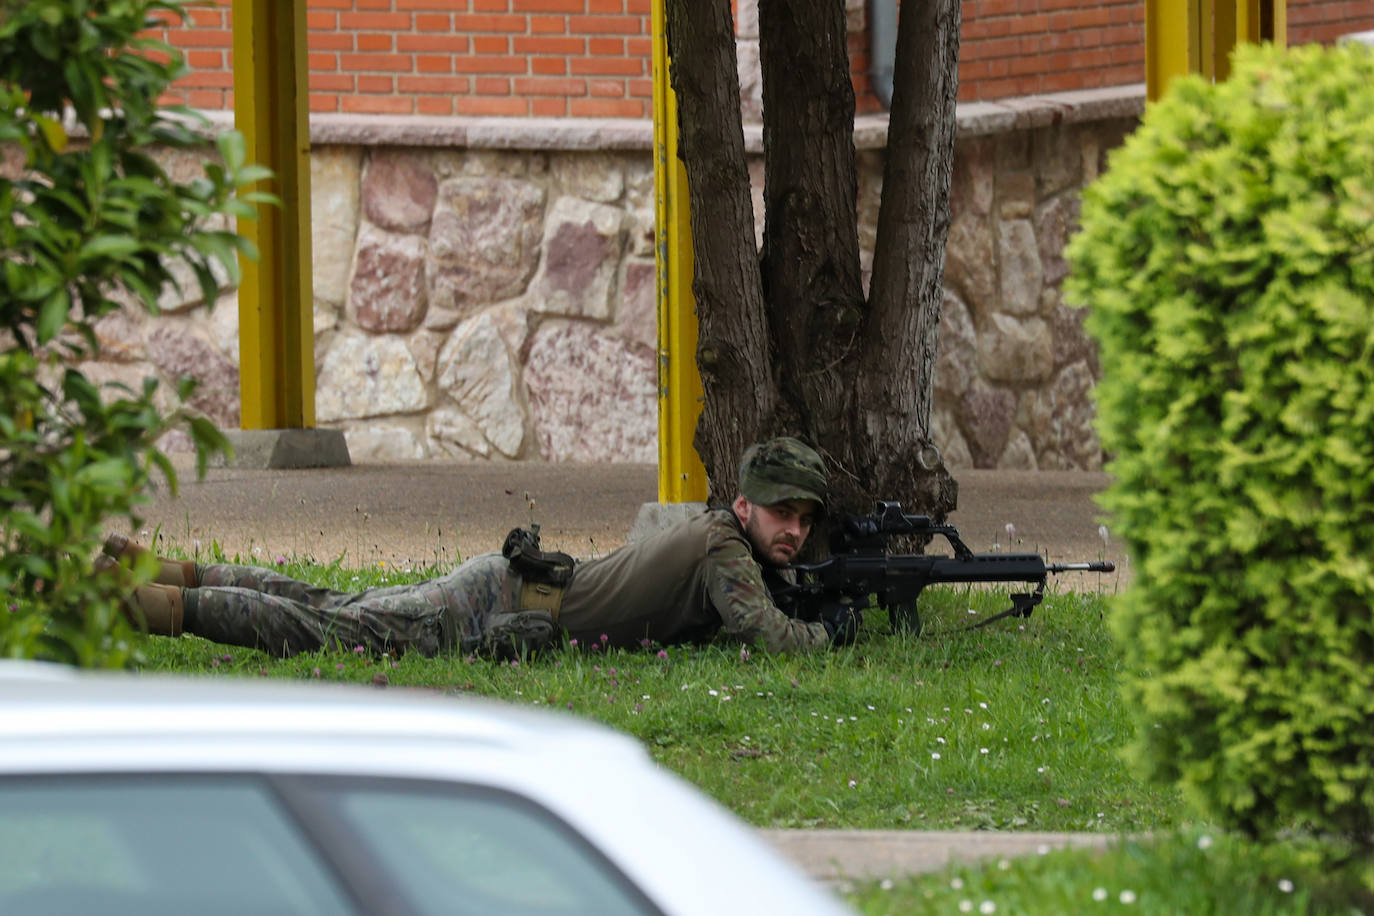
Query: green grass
point(1192, 872)
point(1016, 726)
point(1024, 716)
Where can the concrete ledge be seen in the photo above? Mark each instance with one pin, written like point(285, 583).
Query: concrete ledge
point(263, 449)
point(595, 134)
point(654, 517)
point(835, 855)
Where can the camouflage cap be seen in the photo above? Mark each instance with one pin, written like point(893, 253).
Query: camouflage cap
point(781, 469)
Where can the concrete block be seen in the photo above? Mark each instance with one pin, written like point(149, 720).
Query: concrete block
point(654, 517)
point(286, 448)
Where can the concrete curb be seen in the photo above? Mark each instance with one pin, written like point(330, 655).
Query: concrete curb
point(837, 855)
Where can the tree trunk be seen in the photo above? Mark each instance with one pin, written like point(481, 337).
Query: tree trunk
point(732, 344)
point(788, 343)
point(907, 290)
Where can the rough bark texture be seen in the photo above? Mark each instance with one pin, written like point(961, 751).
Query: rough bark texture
point(733, 346)
point(906, 290)
point(789, 333)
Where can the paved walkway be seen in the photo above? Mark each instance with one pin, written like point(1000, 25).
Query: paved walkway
point(412, 515)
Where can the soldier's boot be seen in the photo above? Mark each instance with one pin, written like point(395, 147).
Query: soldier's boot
point(158, 607)
point(170, 572)
point(520, 634)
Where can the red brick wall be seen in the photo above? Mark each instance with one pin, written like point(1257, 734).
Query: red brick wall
point(591, 58)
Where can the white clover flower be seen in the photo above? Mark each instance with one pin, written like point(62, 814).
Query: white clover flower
point(853, 783)
point(982, 750)
point(713, 693)
point(935, 755)
point(1127, 897)
point(886, 884)
point(982, 706)
point(1204, 842)
point(966, 906)
point(987, 906)
point(957, 884)
point(1099, 894)
point(987, 726)
point(939, 740)
point(1285, 885)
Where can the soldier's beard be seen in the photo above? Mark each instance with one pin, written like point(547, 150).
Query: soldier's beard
point(772, 551)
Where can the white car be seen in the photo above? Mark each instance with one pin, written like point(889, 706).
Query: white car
point(150, 795)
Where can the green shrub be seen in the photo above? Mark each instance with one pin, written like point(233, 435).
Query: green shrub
point(1228, 258)
point(88, 220)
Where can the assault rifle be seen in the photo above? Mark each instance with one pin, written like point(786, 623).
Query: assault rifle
point(860, 565)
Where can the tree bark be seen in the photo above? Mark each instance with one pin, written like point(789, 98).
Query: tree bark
point(733, 352)
point(788, 344)
point(907, 288)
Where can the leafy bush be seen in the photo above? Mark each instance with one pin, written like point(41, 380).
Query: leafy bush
point(89, 223)
point(1228, 257)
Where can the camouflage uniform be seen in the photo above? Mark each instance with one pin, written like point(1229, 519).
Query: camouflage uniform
point(684, 584)
point(256, 607)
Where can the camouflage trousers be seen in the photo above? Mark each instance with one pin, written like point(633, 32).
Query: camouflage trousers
point(261, 609)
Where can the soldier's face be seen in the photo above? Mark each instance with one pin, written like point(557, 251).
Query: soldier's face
point(777, 531)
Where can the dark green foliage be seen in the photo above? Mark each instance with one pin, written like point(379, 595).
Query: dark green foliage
point(89, 223)
point(1228, 257)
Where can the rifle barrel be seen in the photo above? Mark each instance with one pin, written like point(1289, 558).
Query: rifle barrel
point(1100, 566)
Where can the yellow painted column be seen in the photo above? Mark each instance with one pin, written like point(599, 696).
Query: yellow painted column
point(276, 329)
point(1173, 42)
point(1198, 36)
point(681, 474)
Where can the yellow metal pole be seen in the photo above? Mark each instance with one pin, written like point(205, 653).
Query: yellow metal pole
point(681, 474)
point(1198, 36)
point(1173, 42)
point(276, 330)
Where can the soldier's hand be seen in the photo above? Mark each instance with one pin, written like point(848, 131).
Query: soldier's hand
point(842, 622)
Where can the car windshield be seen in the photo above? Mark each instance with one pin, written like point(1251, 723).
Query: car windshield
point(120, 845)
point(147, 845)
point(474, 851)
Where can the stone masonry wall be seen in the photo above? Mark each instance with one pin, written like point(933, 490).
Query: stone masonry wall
point(485, 290)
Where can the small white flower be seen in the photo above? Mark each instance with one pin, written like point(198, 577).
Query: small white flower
point(935, 756)
point(966, 906)
point(1041, 769)
point(1204, 842)
point(1042, 850)
point(1003, 864)
point(987, 726)
point(886, 884)
point(957, 884)
point(982, 706)
point(1104, 535)
point(987, 906)
point(1127, 897)
point(939, 740)
point(1099, 894)
point(1285, 885)
point(982, 750)
point(852, 783)
point(871, 708)
point(1011, 530)
point(713, 693)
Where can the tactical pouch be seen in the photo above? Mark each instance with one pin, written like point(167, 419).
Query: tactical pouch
point(532, 564)
point(543, 576)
